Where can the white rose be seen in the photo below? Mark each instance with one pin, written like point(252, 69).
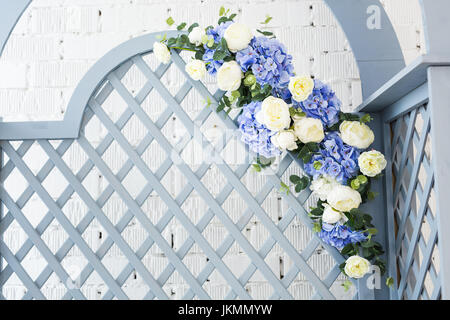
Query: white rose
point(309, 130)
point(356, 267)
point(285, 140)
point(323, 186)
point(196, 69)
point(356, 134)
point(344, 198)
point(331, 216)
point(274, 114)
point(196, 35)
point(229, 76)
point(371, 163)
point(161, 52)
point(301, 88)
point(238, 37)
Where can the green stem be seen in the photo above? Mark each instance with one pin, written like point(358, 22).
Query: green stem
point(179, 48)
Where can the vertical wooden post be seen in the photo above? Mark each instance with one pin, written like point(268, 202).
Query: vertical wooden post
point(376, 208)
point(439, 87)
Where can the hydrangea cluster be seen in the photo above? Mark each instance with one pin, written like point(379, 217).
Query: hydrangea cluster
point(254, 134)
point(216, 34)
point(338, 235)
point(335, 159)
point(268, 60)
point(280, 112)
point(322, 104)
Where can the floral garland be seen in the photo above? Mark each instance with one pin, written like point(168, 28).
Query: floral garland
point(281, 111)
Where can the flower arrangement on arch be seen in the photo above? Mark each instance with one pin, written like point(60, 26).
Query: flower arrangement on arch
point(281, 111)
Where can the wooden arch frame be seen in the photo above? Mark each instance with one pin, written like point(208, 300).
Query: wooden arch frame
point(376, 50)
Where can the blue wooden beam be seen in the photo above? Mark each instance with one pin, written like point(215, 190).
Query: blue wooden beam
point(436, 24)
point(439, 85)
point(372, 38)
point(10, 13)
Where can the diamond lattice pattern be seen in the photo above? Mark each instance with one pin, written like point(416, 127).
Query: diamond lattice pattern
point(416, 235)
point(155, 200)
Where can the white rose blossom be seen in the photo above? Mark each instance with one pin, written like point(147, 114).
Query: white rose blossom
point(309, 130)
point(161, 52)
point(285, 140)
point(332, 216)
point(357, 267)
point(274, 114)
point(196, 35)
point(356, 134)
point(229, 76)
point(323, 186)
point(372, 163)
point(238, 37)
point(196, 69)
point(344, 198)
point(301, 87)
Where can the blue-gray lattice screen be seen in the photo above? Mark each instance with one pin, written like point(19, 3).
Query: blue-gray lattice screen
point(412, 212)
point(150, 230)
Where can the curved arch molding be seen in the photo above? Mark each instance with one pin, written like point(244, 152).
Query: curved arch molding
point(376, 50)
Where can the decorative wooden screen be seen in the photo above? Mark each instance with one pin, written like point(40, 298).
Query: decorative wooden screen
point(412, 218)
point(145, 209)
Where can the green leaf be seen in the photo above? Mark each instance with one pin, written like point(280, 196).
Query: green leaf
point(199, 55)
point(366, 118)
point(170, 21)
point(232, 16)
point(294, 179)
point(317, 212)
point(192, 26)
point(219, 55)
point(268, 19)
point(347, 285)
point(371, 195)
point(181, 26)
point(284, 188)
point(265, 33)
point(222, 11)
point(347, 249)
point(390, 282)
point(257, 167)
point(317, 227)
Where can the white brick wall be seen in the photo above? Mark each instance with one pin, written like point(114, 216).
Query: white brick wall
point(57, 41)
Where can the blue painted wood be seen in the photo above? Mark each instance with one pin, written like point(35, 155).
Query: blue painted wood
point(62, 219)
point(10, 13)
point(436, 25)
point(376, 50)
point(411, 77)
point(439, 84)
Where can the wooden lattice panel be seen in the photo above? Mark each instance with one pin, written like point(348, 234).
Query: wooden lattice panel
point(414, 206)
point(153, 183)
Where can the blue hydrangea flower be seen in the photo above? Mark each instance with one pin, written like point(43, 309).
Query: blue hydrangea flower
point(217, 34)
point(254, 134)
point(284, 94)
point(339, 235)
point(268, 60)
point(335, 159)
point(322, 104)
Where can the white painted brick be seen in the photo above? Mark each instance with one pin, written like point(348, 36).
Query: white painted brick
point(13, 75)
point(32, 48)
point(90, 46)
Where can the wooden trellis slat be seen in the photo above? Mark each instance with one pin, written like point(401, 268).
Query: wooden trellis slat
point(55, 151)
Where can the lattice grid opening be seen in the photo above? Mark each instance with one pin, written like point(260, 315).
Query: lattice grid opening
point(416, 234)
point(132, 209)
